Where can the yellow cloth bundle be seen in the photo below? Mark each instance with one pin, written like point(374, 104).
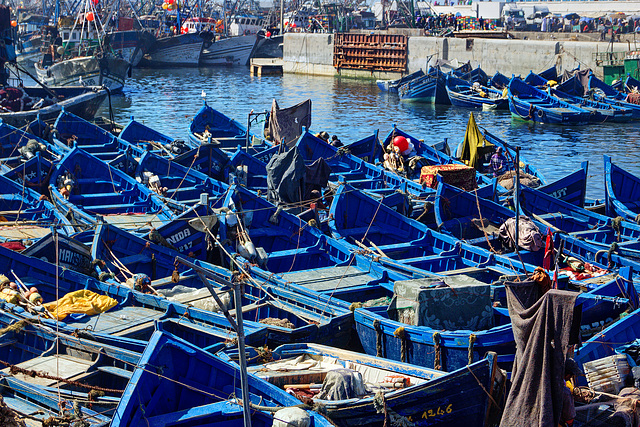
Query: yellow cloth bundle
point(82, 302)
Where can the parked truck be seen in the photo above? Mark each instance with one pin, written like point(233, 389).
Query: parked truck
point(508, 14)
point(534, 16)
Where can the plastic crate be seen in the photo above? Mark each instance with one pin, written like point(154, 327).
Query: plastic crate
point(607, 374)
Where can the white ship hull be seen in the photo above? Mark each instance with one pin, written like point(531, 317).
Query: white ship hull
point(229, 51)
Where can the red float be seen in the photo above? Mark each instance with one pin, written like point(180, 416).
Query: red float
point(401, 142)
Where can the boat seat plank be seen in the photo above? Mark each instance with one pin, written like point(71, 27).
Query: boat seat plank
point(118, 320)
point(62, 365)
point(119, 372)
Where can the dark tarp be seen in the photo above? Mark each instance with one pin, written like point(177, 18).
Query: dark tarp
point(575, 82)
point(529, 236)
point(317, 177)
point(543, 329)
point(286, 123)
point(285, 177)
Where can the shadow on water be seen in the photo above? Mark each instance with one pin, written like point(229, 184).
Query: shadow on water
point(167, 99)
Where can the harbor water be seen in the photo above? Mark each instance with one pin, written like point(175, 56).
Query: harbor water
point(167, 100)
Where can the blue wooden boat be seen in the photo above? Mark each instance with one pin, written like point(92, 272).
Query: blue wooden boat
point(465, 94)
point(309, 318)
point(80, 368)
point(393, 85)
point(605, 342)
point(600, 91)
point(600, 111)
point(429, 88)
point(368, 148)
point(135, 316)
point(429, 391)
point(36, 405)
point(26, 216)
point(195, 388)
point(141, 135)
point(357, 172)
point(528, 103)
point(621, 191)
point(72, 131)
point(571, 188)
point(18, 146)
point(99, 189)
point(208, 159)
point(499, 81)
point(178, 186)
point(210, 126)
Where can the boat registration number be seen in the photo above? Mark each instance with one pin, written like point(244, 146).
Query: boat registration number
point(434, 412)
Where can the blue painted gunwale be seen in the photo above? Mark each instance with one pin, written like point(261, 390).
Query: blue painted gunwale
point(133, 317)
point(440, 390)
point(461, 95)
point(90, 137)
point(528, 103)
point(314, 319)
point(104, 191)
point(621, 191)
point(393, 85)
point(198, 392)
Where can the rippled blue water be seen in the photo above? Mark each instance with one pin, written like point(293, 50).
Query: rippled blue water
point(168, 99)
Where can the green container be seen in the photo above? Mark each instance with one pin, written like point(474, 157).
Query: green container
point(613, 72)
point(631, 68)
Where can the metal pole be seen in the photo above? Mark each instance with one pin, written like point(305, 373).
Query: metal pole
point(248, 129)
point(243, 356)
point(517, 195)
point(282, 17)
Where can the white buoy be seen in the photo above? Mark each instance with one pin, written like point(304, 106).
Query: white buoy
point(291, 417)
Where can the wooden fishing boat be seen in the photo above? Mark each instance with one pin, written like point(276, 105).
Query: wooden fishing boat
point(83, 101)
point(18, 146)
point(234, 50)
point(368, 148)
point(195, 388)
point(605, 342)
point(528, 103)
point(288, 316)
point(600, 111)
point(65, 368)
point(133, 318)
point(429, 88)
point(357, 172)
point(423, 393)
point(621, 191)
point(178, 186)
point(571, 188)
point(393, 85)
point(463, 93)
point(210, 126)
point(25, 217)
point(73, 131)
point(150, 139)
point(83, 187)
point(208, 159)
point(618, 236)
point(605, 93)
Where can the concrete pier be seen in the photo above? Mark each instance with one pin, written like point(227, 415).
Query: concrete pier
point(313, 54)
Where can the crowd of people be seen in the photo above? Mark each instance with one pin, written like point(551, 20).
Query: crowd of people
point(551, 23)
